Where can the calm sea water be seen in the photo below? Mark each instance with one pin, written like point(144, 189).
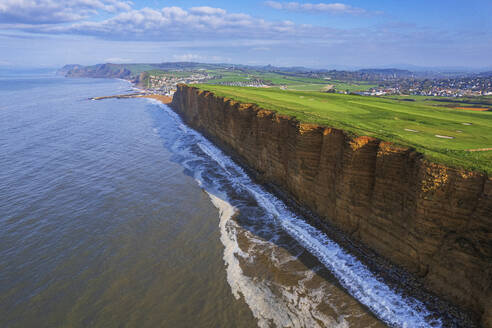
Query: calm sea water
point(115, 214)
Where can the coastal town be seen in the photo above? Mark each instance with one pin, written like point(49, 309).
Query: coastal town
point(165, 84)
point(452, 87)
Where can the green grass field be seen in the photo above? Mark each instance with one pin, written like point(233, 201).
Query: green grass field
point(289, 82)
point(409, 123)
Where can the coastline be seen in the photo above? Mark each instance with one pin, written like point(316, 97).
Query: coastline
point(410, 281)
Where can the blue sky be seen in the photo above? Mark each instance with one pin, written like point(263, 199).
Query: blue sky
point(314, 33)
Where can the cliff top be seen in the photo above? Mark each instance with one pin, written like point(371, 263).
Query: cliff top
point(449, 135)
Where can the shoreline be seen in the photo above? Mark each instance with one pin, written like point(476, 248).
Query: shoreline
point(163, 99)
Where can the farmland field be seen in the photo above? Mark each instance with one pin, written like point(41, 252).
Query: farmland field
point(442, 134)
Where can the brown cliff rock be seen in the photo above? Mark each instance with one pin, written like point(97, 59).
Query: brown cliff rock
point(434, 221)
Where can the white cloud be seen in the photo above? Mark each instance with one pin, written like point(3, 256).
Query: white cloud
point(118, 60)
point(260, 49)
point(175, 23)
point(5, 63)
point(56, 11)
point(187, 57)
point(207, 11)
point(332, 8)
point(80, 17)
point(191, 57)
point(207, 26)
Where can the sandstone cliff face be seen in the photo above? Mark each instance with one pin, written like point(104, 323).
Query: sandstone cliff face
point(432, 220)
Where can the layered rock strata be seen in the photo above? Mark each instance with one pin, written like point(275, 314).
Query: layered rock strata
point(432, 220)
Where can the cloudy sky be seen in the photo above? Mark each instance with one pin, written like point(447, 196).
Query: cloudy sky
point(377, 33)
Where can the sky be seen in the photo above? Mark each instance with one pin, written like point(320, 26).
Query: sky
point(313, 33)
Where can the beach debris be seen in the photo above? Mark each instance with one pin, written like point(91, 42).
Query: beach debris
point(411, 130)
point(445, 137)
point(466, 123)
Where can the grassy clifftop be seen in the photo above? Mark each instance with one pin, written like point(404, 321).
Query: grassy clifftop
point(443, 134)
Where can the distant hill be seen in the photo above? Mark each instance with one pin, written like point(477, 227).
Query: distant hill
point(126, 70)
point(101, 70)
point(485, 74)
point(67, 68)
point(394, 72)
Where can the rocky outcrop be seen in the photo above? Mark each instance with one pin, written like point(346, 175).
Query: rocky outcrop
point(433, 220)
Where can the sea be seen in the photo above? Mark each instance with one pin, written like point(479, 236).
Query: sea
point(114, 213)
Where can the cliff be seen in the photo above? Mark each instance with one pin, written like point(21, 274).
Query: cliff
point(97, 71)
point(432, 220)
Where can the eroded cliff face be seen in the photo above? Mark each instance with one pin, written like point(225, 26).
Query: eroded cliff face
point(434, 221)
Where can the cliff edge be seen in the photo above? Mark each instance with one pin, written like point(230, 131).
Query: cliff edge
point(432, 220)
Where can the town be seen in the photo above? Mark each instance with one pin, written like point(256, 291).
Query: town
point(452, 87)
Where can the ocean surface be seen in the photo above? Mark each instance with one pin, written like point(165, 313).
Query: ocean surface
point(114, 213)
